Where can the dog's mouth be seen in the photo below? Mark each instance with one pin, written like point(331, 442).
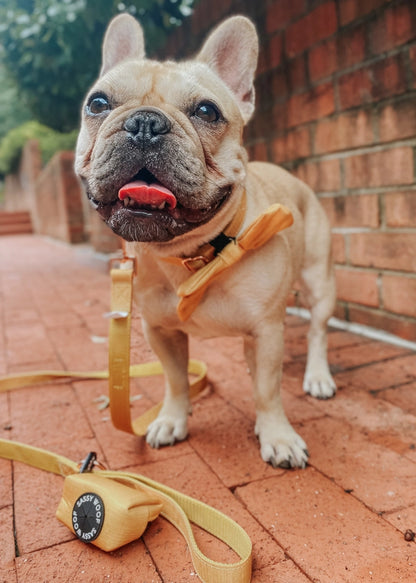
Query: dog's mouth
point(146, 210)
point(141, 194)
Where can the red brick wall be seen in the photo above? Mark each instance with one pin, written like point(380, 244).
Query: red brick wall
point(336, 105)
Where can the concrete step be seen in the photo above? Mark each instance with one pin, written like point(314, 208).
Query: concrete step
point(15, 223)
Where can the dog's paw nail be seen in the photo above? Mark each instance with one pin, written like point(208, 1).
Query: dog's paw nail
point(319, 385)
point(283, 448)
point(166, 430)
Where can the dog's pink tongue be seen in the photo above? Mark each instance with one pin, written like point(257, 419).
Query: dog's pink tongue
point(147, 194)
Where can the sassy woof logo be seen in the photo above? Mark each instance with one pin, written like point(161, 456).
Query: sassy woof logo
point(88, 516)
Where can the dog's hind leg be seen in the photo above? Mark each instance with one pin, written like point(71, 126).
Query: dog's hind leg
point(171, 347)
point(319, 286)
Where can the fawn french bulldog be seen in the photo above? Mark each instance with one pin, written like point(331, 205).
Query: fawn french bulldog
point(218, 241)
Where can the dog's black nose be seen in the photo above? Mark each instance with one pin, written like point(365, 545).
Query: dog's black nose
point(146, 124)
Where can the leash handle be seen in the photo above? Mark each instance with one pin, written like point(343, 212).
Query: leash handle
point(180, 509)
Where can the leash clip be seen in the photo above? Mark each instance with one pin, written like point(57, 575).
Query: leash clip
point(124, 262)
point(88, 463)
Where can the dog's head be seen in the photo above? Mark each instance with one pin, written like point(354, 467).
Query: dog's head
point(160, 147)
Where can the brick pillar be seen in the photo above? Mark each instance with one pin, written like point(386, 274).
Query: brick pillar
point(59, 211)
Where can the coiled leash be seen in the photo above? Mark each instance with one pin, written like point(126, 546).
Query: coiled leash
point(112, 508)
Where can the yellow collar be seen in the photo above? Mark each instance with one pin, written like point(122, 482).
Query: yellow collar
point(206, 253)
point(276, 218)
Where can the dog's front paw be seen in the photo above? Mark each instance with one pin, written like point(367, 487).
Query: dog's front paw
point(166, 430)
point(282, 447)
point(319, 383)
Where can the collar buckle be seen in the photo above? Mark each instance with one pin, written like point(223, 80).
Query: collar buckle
point(192, 264)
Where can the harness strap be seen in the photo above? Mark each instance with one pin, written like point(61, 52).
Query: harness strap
point(276, 218)
point(224, 251)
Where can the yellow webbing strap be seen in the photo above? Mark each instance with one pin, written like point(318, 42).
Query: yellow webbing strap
point(119, 371)
point(147, 369)
point(178, 508)
point(276, 218)
point(119, 357)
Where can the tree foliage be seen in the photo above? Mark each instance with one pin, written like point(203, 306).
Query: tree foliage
point(52, 48)
point(12, 111)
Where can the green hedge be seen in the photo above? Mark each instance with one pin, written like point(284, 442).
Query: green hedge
point(49, 140)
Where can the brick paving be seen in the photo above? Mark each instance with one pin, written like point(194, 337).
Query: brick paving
point(342, 519)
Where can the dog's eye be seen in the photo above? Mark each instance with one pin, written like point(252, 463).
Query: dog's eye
point(208, 112)
point(98, 104)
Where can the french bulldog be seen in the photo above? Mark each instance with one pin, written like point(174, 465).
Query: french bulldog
point(160, 153)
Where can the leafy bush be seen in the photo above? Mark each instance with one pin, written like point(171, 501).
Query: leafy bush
point(54, 141)
point(50, 141)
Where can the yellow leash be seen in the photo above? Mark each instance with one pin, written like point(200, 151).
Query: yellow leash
point(195, 367)
point(119, 357)
point(122, 524)
point(119, 371)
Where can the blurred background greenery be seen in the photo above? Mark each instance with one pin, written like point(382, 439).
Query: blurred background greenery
point(50, 52)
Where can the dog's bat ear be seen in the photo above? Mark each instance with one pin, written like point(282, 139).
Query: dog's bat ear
point(231, 51)
point(123, 40)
